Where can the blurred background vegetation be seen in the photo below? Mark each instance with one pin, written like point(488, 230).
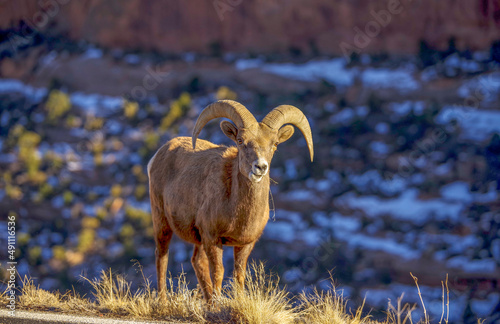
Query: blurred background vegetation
point(406, 132)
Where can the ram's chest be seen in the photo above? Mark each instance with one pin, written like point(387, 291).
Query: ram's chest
point(244, 226)
point(243, 232)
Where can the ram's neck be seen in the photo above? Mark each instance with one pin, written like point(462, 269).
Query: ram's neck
point(248, 199)
point(252, 195)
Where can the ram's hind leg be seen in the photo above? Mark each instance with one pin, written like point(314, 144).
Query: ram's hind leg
point(163, 235)
point(202, 270)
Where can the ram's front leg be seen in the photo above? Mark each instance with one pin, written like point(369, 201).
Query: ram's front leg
point(241, 254)
point(214, 254)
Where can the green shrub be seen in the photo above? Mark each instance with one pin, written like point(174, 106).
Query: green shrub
point(139, 174)
point(130, 109)
point(13, 192)
point(151, 140)
point(28, 153)
point(225, 93)
point(138, 216)
point(98, 159)
point(59, 252)
point(57, 104)
point(86, 240)
point(23, 238)
point(127, 231)
point(94, 123)
point(54, 161)
point(101, 213)
point(90, 222)
point(46, 190)
point(73, 121)
point(116, 190)
point(177, 109)
point(140, 192)
point(68, 197)
point(35, 255)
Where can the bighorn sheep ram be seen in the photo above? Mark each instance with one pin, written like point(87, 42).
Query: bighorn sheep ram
point(213, 195)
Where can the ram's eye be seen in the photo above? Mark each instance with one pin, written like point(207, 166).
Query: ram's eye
point(276, 144)
point(240, 141)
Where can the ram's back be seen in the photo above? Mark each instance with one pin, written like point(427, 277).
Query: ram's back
point(183, 180)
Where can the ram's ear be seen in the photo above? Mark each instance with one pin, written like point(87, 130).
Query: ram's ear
point(229, 129)
point(285, 133)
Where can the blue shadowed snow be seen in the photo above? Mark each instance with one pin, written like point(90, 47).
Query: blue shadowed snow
point(432, 297)
point(472, 266)
point(387, 245)
point(333, 70)
point(485, 307)
point(244, 64)
point(290, 226)
point(483, 88)
point(382, 128)
point(94, 103)
point(300, 195)
point(336, 222)
point(93, 53)
point(98, 105)
point(292, 275)
point(400, 79)
point(454, 62)
point(34, 94)
point(402, 109)
point(476, 125)
point(405, 207)
point(336, 72)
point(132, 59)
point(280, 231)
point(345, 117)
point(459, 191)
point(380, 149)
point(371, 180)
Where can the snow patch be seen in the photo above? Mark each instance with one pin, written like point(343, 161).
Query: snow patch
point(406, 207)
point(485, 307)
point(381, 78)
point(459, 191)
point(476, 125)
point(384, 244)
point(481, 88)
point(402, 109)
point(34, 94)
point(333, 70)
point(472, 266)
point(96, 104)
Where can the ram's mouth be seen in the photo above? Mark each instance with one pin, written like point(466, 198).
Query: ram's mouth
point(255, 177)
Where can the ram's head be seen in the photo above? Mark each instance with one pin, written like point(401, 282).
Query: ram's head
point(256, 141)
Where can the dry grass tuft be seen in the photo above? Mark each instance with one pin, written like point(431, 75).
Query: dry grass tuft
point(400, 314)
point(262, 301)
point(32, 295)
point(113, 295)
point(329, 308)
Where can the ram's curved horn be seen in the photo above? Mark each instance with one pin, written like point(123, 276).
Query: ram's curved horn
point(230, 109)
point(286, 114)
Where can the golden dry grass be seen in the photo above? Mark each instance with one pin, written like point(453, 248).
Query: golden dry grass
point(329, 308)
point(262, 301)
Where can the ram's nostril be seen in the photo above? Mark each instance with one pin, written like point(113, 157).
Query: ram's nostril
point(260, 166)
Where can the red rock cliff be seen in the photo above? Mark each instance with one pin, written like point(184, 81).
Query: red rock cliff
point(263, 26)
